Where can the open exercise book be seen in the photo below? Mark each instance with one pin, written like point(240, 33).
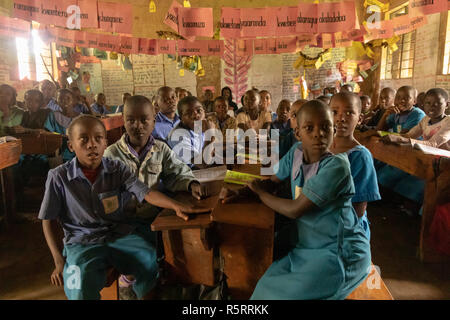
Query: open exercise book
point(430, 150)
point(221, 173)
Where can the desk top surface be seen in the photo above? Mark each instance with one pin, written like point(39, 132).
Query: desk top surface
point(10, 153)
point(113, 122)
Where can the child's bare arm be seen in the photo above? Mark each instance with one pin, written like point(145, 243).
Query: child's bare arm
point(360, 208)
point(55, 245)
point(159, 199)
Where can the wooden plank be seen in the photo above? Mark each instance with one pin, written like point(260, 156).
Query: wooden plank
point(40, 143)
point(10, 153)
point(246, 253)
point(113, 122)
point(187, 258)
point(372, 288)
point(111, 292)
point(168, 220)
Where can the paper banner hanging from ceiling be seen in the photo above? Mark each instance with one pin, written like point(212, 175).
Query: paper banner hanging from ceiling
point(195, 22)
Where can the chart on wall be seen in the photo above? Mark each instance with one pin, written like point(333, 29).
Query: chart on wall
point(148, 74)
point(116, 81)
point(90, 79)
point(266, 73)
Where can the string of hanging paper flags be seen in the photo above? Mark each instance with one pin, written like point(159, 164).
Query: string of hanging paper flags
point(286, 29)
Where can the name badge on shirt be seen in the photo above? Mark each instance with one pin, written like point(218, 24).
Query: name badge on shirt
point(399, 128)
point(110, 204)
point(298, 192)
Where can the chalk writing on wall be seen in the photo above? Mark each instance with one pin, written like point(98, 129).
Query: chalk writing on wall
point(173, 79)
point(148, 75)
point(116, 81)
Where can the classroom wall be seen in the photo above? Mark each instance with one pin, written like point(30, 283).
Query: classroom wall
point(426, 69)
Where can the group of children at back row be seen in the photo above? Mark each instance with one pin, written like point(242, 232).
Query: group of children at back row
point(98, 199)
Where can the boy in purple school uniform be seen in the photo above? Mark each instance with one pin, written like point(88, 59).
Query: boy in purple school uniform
point(87, 197)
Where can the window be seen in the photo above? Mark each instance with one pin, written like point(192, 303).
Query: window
point(399, 64)
point(446, 62)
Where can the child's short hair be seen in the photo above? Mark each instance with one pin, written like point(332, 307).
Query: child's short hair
point(411, 90)
point(390, 90)
point(265, 91)
point(349, 96)
point(137, 101)
point(220, 98)
point(34, 91)
point(80, 119)
point(164, 88)
point(185, 101)
point(438, 92)
point(311, 105)
point(325, 99)
point(284, 102)
point(13, 93)
point(61, 92)
point(98, 95)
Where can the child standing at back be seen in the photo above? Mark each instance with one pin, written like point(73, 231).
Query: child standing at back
point(86, 196)
point(346, 109)
point(330, 253)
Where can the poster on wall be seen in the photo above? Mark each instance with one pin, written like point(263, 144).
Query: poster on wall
point(174, 78)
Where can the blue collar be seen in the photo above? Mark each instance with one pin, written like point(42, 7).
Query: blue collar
point(74, 169)
point(164, 118)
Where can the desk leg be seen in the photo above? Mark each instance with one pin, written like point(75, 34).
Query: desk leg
point(189, 260)
point(433, 192)
point(246, 253)
point(8, 194)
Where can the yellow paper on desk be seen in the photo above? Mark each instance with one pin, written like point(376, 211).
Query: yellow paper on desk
point(248, 156)
point(385, 133)
point(239, 177)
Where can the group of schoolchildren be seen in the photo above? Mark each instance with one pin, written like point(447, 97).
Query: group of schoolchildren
point(98, 194)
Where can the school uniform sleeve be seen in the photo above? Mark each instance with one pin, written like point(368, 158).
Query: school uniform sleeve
point(52, 125)
point(283, 168)
point(417, 130)
point(333, 181)
point(132, 183)
point(390, 121)
point(180, 142)
point(176, 175)
point(364, 176)
point(53, 204)
point(414, 118)
point(441, 137)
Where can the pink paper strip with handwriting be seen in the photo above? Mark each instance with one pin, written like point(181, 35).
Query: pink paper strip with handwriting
point(327, 40)
point(230, 23)
point(27, 9)
point(195, 22)
point(92, 40)
point(171, 18)
point(214, 47)
point(166, 46)
point(286, 44)
point(306, 39)
point(108, 43)
point(402, 25)
point(341, 40)
point(307, 18)
point(129, 45)
point(419, 21)
point(271, 44)
point(65, 37)
point(255, 22)
point(260, 46)
point(244, 47)
point(285, 19)
point(14, 27)
point(89, 13)
point(421, 7)
point(115, 17)
point(336, 16)
point(80, 39)
point(191, 48)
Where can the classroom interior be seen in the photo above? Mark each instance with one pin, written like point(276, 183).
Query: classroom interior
point(409, 240)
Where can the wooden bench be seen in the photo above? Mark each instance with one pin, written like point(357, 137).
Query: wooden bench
point(114, 127)
point(373, 288)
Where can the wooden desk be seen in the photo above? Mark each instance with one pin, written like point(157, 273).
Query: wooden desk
point(239, 234)
point(417, 163)
point(9, 155)
point(44, 143)
point(114, 127)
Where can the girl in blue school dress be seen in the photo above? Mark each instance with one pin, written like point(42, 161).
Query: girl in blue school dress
point(331, 253)
point(346, 110)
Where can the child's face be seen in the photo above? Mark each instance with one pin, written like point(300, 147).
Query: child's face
point(404, 99)
point(315, 130)
point(365, 105)
point(33, 102)
point(88, 141)
point(167, 101)
point(226, 94)
point(182, 94)
point(283, 112)
point(345, 116)
point(101, 99)
point(208, 95)
point(435, 105)
point(65, 101)
point(139, 123)
point(192, 112)
point(386, 99)
point(293, 114)
point(6, 97)
point(266, 101)
point(221, 109)
point(48, 89)
point(251, 101)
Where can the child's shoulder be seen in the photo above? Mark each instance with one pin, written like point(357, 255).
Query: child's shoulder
point(336, 161)
point(417, 112)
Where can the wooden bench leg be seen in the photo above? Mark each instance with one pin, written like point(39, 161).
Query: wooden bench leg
point(372, 288)
point(111, 292)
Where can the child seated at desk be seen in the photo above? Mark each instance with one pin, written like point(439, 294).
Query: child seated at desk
point(125, 96)
point(282, 123)
point(86, 195)
point(434, 127)
point(166, 119)
point(188, 144)
point(290, 139)
point(346, 109)
point(266, 102)
point(59, 121)
point(10, 114)
point(99, 107)
point(330, 253)
point(386, 101)
point(221, 119)
point(252, 117)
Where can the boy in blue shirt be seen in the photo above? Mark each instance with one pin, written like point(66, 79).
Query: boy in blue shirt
point(99, 106)
point(86, 196)
point(167, 118)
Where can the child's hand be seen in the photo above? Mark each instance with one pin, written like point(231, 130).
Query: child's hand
point(199, 191)
point(17, 130)
point(181, 209)
point(256, 186)
point(207, 124)
point(228, 195)
point(393, 109)
point(392, 138)
point(57, 276)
